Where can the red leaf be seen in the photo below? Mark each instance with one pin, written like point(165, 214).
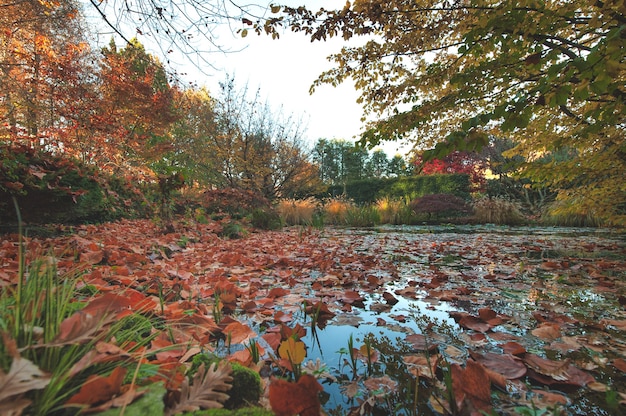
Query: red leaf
point(99, 389)
point(277, 292)
point(509, 366)
point(301, 398)
point(471, 386)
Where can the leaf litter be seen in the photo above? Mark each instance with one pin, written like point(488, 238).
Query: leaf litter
point(524, 306)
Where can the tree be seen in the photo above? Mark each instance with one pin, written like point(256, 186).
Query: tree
point(398, 167)
point(377, 166)
point(468, 163)
point(548, 75)
point(191, 152)
point(340, 161)
point(135, 109)
point(257, 149)
point(188, 27)
point(43, 68)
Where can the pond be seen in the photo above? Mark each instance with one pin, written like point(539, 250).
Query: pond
point(549, 298)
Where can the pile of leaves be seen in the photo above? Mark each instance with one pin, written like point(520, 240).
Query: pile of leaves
point(147, 303)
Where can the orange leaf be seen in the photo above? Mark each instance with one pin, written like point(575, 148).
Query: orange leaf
point(237, 332)
point(471, 386)
point(99, 389)
point(301, 398)
point(292, 350)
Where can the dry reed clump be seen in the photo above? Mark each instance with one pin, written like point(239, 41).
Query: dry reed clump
point(336, 210)
point(390, 210)
point(497, 210)
point(297, 211)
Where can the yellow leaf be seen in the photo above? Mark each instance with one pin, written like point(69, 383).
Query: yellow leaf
point(292, 350)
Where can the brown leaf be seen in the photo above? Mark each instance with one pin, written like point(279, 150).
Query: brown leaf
point(547, 331)
point(620, 364)
point(98, 389)
point(509, 366)
point(301, 398)
point(23, 376)
point(237, 333)
point(423, 365)
point(471, 386)
point(207, 390)
point(420, 342)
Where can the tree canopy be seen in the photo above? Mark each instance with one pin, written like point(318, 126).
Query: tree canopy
point(451, 75)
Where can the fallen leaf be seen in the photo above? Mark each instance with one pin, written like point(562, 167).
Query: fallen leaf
point(471, 387)
point(23, 376)
point(292, 350)
point(206, 391)
point(301, 398)
point(98, 389)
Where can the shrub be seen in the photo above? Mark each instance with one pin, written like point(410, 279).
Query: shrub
point(497, 210)
point(52, 188)
point(566, 213)
point(265, 219)
point(297, 211)
point(236, 202)
point(439, 206)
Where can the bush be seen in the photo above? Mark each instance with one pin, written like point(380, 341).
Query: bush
point(265, 219)
point(440, 206)
point(497, 211)
point(52, 188)
point(235, 202)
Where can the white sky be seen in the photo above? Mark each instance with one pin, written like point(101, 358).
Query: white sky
point(283, 70)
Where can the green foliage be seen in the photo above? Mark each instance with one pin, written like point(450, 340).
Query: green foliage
point(232, 230)
point(265, 219)
point(404, 188)
point(363, 216)
point(547, 75)
point(246, 387)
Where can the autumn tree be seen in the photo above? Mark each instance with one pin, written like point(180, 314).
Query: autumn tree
point(255, 148)
point(472, 164)
point(547, 75)
point(192, 135)
point(44, 67)
point(135, 111)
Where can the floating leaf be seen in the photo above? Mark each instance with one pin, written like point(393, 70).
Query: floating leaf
point(292, 350)
point(301, 398)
